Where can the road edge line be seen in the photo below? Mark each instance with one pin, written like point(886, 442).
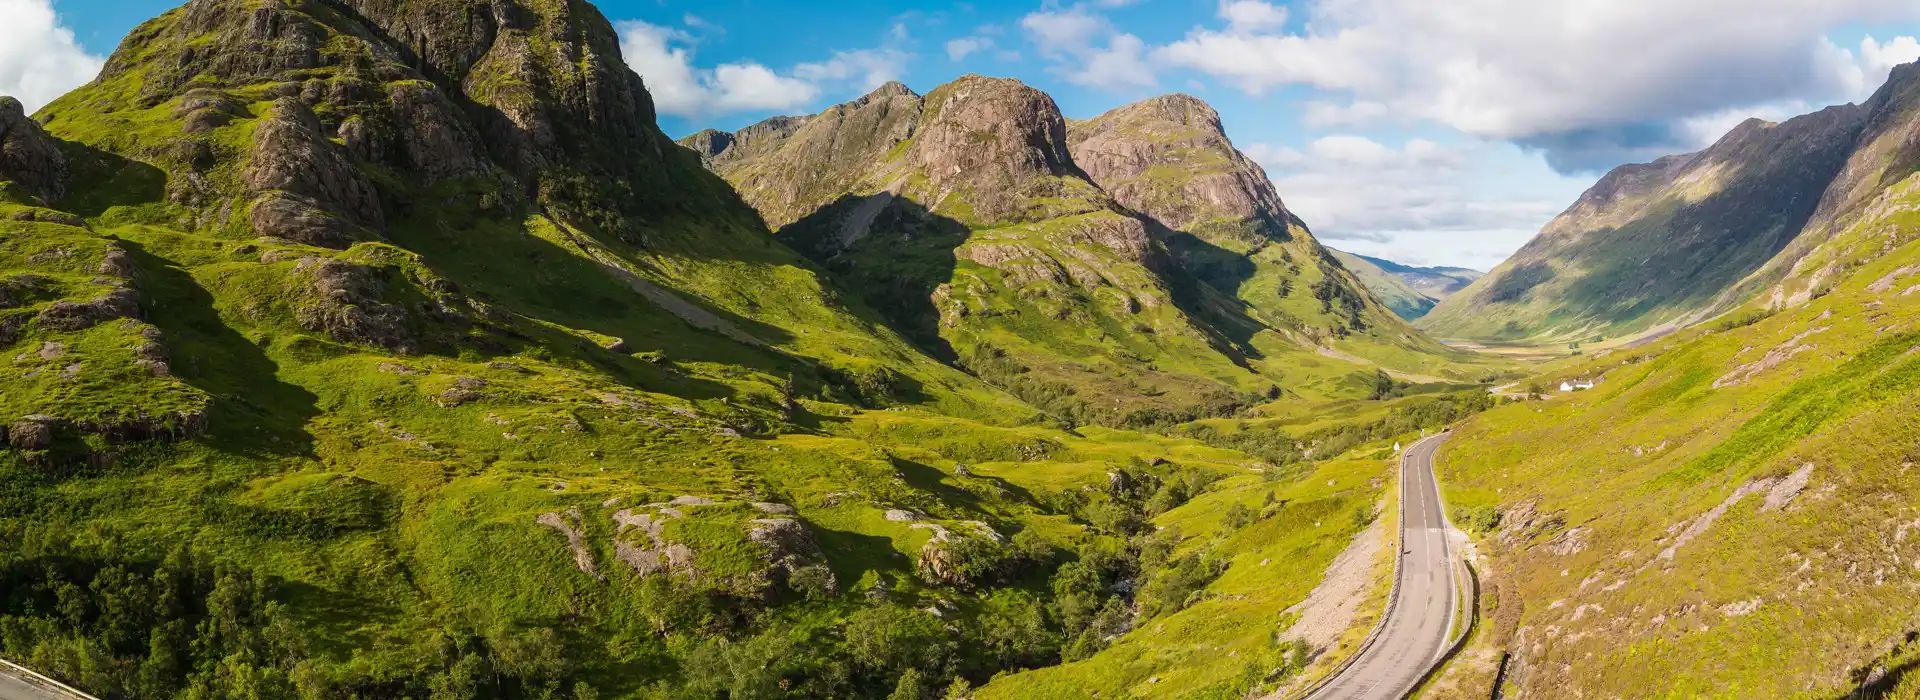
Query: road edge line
point(35, 675)
point(1393, 593)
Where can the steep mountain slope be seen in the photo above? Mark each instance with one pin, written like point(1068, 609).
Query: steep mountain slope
point(1169, 159)
point(1127, 269)
point(1731, 511)
point(1657, 246)
point(388, 349)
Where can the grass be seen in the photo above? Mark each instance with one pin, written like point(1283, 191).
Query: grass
point(1763, 602)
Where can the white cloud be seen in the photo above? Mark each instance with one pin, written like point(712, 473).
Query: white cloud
point(664, 58)
point(1073, 39)
point(39, 59)
point(867, 68)
point(1571, 77)
point(1252, 15)
point(960, 48)
point(1062, 33)
point(1422, 202)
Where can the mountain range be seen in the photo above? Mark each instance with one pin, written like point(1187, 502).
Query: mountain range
point(1409, 291)
point(1658, 246)
point(358, 348)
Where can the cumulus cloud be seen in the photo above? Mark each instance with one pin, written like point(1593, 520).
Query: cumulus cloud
point(960, 48)
point(1623, 79)
point(1421, 202)
point(1252, 15)
point(1087, 50)
point(664, 58)
point(39, 59)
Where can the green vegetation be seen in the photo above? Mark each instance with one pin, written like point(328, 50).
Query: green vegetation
point(1729, 512)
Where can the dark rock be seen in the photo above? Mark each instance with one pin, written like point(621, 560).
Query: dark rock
point(28, 155)
point(77, 315)
point(305, 187)
point(33, 432)
point(344, 303)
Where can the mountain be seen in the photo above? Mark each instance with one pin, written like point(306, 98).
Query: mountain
point(1119, 269)
point(1658, 246)
point(1723, 493)
point(1408, 291)
point(359, 348)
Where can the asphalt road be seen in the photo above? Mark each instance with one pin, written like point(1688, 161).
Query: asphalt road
point(17, 686)
point(1416, 627)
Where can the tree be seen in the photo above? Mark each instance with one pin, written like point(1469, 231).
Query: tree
point(1383, 386)
point(1239, 515)
point(909, 687)
point(1535, 392)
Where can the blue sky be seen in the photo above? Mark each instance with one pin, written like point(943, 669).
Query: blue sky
point(1425, 132)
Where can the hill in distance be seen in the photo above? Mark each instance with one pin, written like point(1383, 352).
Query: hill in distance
point(1659, 246)
point(1409, 291)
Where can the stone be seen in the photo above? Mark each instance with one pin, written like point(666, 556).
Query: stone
point(28, 155)
point(34, 432)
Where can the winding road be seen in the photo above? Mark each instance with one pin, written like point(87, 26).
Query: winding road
point(1418, 625)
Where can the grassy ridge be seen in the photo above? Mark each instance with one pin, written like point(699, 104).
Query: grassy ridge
point(1727, 514)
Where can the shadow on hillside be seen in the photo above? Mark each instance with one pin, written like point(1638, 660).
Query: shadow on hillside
point(1875, 682)
point(852, 555)
point(893, 252)
point(253, 411)
point(100, 180)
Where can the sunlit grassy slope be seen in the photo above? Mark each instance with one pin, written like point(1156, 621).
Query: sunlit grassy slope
point(1732, 511)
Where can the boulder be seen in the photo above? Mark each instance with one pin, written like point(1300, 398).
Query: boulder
point(28, 156)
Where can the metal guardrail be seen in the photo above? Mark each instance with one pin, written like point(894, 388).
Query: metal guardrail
point(1393, 594)
point(1459, 643)
point(31, 675)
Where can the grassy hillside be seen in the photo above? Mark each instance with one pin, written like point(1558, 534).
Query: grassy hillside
point(337, 375)
point(1729, 512)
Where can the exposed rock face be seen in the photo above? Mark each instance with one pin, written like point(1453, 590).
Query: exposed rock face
point(305, 188)
point(28, 156)
point(1122, 149)
point(998, 144)
point(343, 301)
point(788, 168)
point(708, 144)
point(1656, 246)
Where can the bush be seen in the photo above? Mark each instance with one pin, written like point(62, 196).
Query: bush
point(1239, 515)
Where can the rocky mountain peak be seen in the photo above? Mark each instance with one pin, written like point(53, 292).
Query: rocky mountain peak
point(992, 140)
point(1169, 158)
point(28, 156)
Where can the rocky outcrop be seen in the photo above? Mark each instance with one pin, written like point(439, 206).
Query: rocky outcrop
point(1170, 159)
point(343, 300)
point(708, 144)
point(744, 549)
point(304, 187)
point(28, 156)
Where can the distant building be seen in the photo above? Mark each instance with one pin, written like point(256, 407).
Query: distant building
point(1576, 386)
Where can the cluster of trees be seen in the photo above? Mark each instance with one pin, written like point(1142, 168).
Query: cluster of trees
point(185, 627)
